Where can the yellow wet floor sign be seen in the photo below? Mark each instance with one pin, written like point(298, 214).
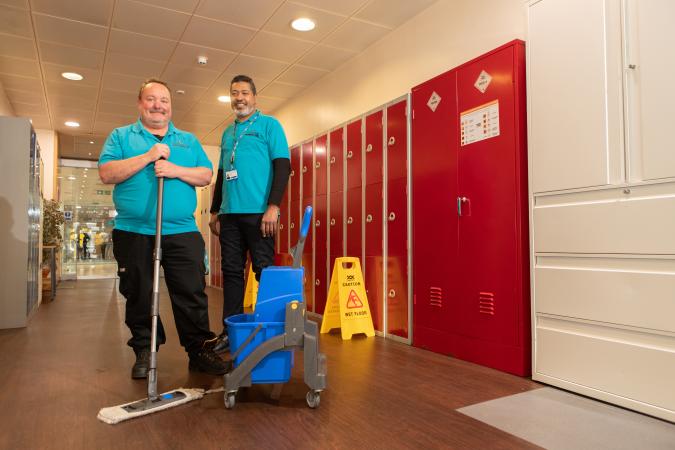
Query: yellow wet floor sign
point(251, 292)
point(347, 305)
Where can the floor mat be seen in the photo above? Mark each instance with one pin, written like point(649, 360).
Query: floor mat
point(556, 419)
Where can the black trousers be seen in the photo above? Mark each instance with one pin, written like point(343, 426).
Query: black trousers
point(183, 263)
point(239, 234)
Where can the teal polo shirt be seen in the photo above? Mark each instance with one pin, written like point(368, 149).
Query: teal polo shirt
point(260, 140)
point(136, 198)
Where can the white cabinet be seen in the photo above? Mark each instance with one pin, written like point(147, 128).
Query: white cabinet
point(602, 196)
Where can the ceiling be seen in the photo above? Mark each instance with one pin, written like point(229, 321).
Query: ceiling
point(116, 44)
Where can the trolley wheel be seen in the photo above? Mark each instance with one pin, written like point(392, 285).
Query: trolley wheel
point(313, 399)
point(230, 400)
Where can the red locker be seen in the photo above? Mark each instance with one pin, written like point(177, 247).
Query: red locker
point(307, 170)
point(294, 180)
point(373, 244)
point(336, 158)
point(397, 142)
point(282, 237)
point(320, 224)
point(373, 149)
point(354, 222)
point(397, 258)
point(353, 155)
point(336, 224)
point(320, 252)
point(491, 290)
point(320, 168)
point(294, 222)
point(373, 265)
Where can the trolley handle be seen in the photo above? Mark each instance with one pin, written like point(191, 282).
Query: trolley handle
point(306, 222)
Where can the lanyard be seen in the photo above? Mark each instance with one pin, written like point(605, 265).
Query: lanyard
point(237, 139)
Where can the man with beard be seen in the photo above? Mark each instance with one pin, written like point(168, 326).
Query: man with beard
point(133, 157)
point(252, 177)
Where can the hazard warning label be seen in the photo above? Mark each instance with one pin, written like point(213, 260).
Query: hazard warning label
point(354, 301)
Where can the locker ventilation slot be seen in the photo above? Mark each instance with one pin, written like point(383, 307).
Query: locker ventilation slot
point(486, 303)
point(435, 296)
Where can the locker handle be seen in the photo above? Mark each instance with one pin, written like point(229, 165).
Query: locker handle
point(392, 216)
point(292, 225)
point(332, 222)
point(392, 293)
point(369, 148)
point(369, 218)
point(304, 169)
point(460, 202)
point(332, 159)
point(317, 282)
point(281, 226)
point(392, 140)
point(317, 223)
point(350, 154)
point(317, 165)
point(292, 172)
point(350, 220)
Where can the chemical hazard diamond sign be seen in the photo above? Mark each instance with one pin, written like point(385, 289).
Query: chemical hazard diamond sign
point(354, 301)
point(483, 81)
point(433, 102)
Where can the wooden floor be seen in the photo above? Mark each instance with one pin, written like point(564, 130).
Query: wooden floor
point(72, 360)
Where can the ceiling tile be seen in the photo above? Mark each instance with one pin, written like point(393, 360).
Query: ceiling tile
point(71, 90)
point(131, 65)
point(177, 5)
point(129, 109)
point(219, 35)
point(281, 90)
point(60, 120)
point(142, 46)
point(17, 66)
point(256, 68)
point(253, 15)
point(70, 32)
point(196, 128)
point(302, 75)
point(220, 109)
point(277, 46)
point(53, 73)
point(78, 103)
point(17, 46)
point(211, 120)
point(70, 112)
point(106, 128)
point(186, 55)
point(193, 75)
point(41, 122)
point(28, 110)
point(119, 82)
point(15, 21)
point(192, 93)
point(356, 35)
point(91, 11)
point(132, 16)
point(281, 22)
point(324, 57)
point(23, 4)
point(345, 7)
point(119, 97)
point(21, 83)
point(392, 13)
point(268, 104)
point(33, 98)
point(70, 56)
point(116, 118)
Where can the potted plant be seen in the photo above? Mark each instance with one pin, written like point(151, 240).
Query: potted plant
point(52, 235)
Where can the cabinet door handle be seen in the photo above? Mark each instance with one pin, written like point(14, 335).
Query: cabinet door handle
point(392, 216)
point(292, 172)
point(332, 159)
point(350, 154)
point(317, 282)
point(317, 165)
point(460, 202)
point(369, 148)
point(304, 169)
point(292, 225)
point(332, 222)
point(350, 220)
point(369, 218)
point(391, 141)
point(281, 226)
point(317, 223)
point(392, 293)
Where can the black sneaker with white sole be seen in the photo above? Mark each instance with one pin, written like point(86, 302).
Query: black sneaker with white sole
point(206, 360)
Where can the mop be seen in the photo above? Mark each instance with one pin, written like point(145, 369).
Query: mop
point(155, 402)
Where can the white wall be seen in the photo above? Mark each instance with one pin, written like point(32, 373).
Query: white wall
point(49, 153)
point(213, 152)
point(445, 35)
point(5, 107)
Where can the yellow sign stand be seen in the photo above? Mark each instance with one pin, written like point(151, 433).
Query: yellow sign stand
point(251, 292)
point(347, 305)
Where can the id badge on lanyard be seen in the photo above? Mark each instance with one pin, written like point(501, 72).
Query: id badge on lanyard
point(231, 174)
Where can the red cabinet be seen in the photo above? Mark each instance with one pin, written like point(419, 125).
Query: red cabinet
point(373, 264)
point(336, 160)
point(296, 171)
point(320, 164)
point(336, 228)
point(307, 169)
point(320, 252)
point(282, 236)
point(353, 221)
point(397, 258)
point(373, 147)
point(397, 142)
point(353, 154)
point(473, 300)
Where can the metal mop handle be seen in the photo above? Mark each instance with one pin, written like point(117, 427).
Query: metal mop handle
point(157, 257)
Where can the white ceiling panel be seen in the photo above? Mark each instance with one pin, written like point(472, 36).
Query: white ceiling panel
point(392, 13)
point(15, 21)
point(140, 45)
point(17, 47)
point(28, 110)
point(119, 82)
point(187, 55)
point(41, 122)
point(70, 112)
point(71, 90)
point(119, 97)
point(356, 35)
point(302, 75)
point(60, 120)
point(281, 22)
point(131, 65)
point(79, 103)
point(252, 14)
point(23, 4)
point(70, 32)
point(90, 11)
point(191, 95)
point(133, 16)
point(105, 128)
point(34, 98)
point(177, 5)
point(122, 119)
point(211, 120)
point(70, 56)
point(17, 66)
point(218, 35)
point(219, 109)
point(325, 57)
point(129, 109)
point(256, 68)
point(193, 75)
point(53, 73)
point(21, 83)
point(281, 90)
point(277, 46)
point(345, 7)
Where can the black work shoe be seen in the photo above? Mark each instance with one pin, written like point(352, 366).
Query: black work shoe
point(206, 360)
point(222, 344)
point(140, 369)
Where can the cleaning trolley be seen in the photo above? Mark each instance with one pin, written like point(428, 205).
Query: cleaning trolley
point(262, 343)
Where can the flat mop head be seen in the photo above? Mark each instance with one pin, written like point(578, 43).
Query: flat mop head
point(117, 414)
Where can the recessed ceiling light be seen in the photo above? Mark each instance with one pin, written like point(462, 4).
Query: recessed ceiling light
point(180, 92)
point(86, 168)
point(72, 76)
point(224, 98)
point(89, 153)
point(303, 24)
point(72, 178)
point(78, 207)
point(91, 142)
point(72, 124)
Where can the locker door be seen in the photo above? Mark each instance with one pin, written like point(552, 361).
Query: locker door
point(294, 180)
point(354, 223)
point(374, 267)
point(308, 264)
point(320, 253)
point(397, 258)
point(397, 140)
point(434, 178)
point(336, 224)
point(354, 154)
point(373, 150)
point(488, 238)
point(320, 169)
point(282, 238)
point(336, 160)
point(294, 222)
point(307, 170)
